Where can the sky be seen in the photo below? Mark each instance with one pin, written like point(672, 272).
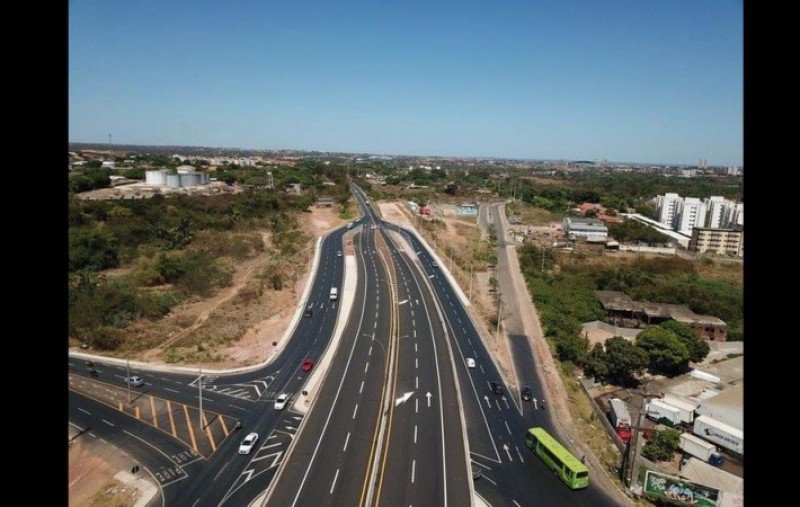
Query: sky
point(642, 81)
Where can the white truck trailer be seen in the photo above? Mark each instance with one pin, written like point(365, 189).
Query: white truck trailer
point(697, 447)
point(686, 407)
point(618, 413)
point(719, 433)
point(657, 410)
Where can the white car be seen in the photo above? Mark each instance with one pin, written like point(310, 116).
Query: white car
point(280, 401)
point(339, 253)
point(470, 363)
point(135, 381)
point(248, 443)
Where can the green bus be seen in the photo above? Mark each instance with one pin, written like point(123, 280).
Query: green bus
point(557, 458)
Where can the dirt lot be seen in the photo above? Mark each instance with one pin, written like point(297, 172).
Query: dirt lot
point(91, 480)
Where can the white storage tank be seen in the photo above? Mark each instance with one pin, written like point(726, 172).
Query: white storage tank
point(156, 177)
point(190, 179)
point(174, 180)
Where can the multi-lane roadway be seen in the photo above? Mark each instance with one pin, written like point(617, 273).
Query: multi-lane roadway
point(400, 418)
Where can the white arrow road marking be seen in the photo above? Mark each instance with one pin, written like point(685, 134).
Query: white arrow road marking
point(487, 401)
point(505, 400)
point(429, 398)
point(535, 404)
point(403, 398)
point(505, 448)
point(403, 302)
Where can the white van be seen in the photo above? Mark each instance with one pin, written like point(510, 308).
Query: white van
point(334, 293)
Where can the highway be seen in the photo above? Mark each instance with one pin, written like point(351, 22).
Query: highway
point(387, 422)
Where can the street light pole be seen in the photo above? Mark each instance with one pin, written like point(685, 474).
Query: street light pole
point(470, 280)
point(499, 305)
point(543, 252)
point(200, 395)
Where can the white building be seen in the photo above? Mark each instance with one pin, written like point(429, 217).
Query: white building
point(734, 215)
point(666, 208)
point(690, 213)
point(589, 228)
point(715, 211)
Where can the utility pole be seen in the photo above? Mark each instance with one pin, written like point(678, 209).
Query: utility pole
point(634, 448)
point(200, 395)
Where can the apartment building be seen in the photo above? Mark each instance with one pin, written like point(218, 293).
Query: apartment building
point(717, 241)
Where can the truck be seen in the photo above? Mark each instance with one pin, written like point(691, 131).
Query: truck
point(720, 433)
point(620, 419)
point(686, 407)
point(334, 293)
point(618, 413)
point(697, 447)
point(662, 412)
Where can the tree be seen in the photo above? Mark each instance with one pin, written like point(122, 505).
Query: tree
point(571, 348)
point(595, 363)
point(662, 445)
point(698, 347)
point(92, 248)
point(665, 351)
point(624, 361)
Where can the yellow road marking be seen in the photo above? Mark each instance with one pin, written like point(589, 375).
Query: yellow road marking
point(392, 331)
point(137, 412)
point(189, 425)
point(153, 410)
point(120, 407)
point(208, 432)
point(171, 420)
point(224, 426)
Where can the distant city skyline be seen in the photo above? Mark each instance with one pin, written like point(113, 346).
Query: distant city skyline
point(627, 82)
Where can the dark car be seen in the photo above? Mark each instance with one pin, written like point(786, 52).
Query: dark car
point(526, 393)
point(496, 387)
point(308, 312)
